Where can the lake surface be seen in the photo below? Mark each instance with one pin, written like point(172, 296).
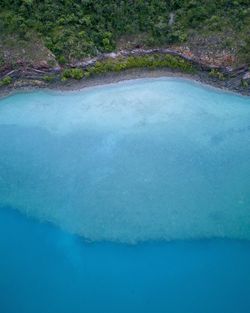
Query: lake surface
point(132, 197)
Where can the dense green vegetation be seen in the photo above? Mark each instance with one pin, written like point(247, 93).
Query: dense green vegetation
point(117, 65)
point(5, 81)
point(73, 29)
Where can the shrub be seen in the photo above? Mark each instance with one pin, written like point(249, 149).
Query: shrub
point(117, 65)
point(147, 61)
point(61, 59)
point(74, 73)
point(244, 83)
point(6, 81)
point(48, 78)
point(214, 73)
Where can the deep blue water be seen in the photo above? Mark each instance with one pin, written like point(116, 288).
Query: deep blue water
point(133, 197)
point(43, 269)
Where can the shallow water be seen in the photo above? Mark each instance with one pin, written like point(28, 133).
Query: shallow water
point(143, 160)
point(163, 164)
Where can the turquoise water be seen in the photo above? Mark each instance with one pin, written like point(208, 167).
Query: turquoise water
point(43, 269)
point(162, 164)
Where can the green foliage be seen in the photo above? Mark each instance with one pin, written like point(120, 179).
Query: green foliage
point(48, 78)
point(74, 73)
point(74, 29)
point(61, 59)
point(5, 81)
point(153, 61)
point(214, 73)
point(117, 65)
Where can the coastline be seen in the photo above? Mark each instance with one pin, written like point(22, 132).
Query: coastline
point(201, 76)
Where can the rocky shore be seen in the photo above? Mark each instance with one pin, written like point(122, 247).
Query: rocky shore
point(228, 77)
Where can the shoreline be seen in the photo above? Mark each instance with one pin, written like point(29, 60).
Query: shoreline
point(201, 76)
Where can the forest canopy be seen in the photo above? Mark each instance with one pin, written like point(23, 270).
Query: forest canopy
point(73, 29)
